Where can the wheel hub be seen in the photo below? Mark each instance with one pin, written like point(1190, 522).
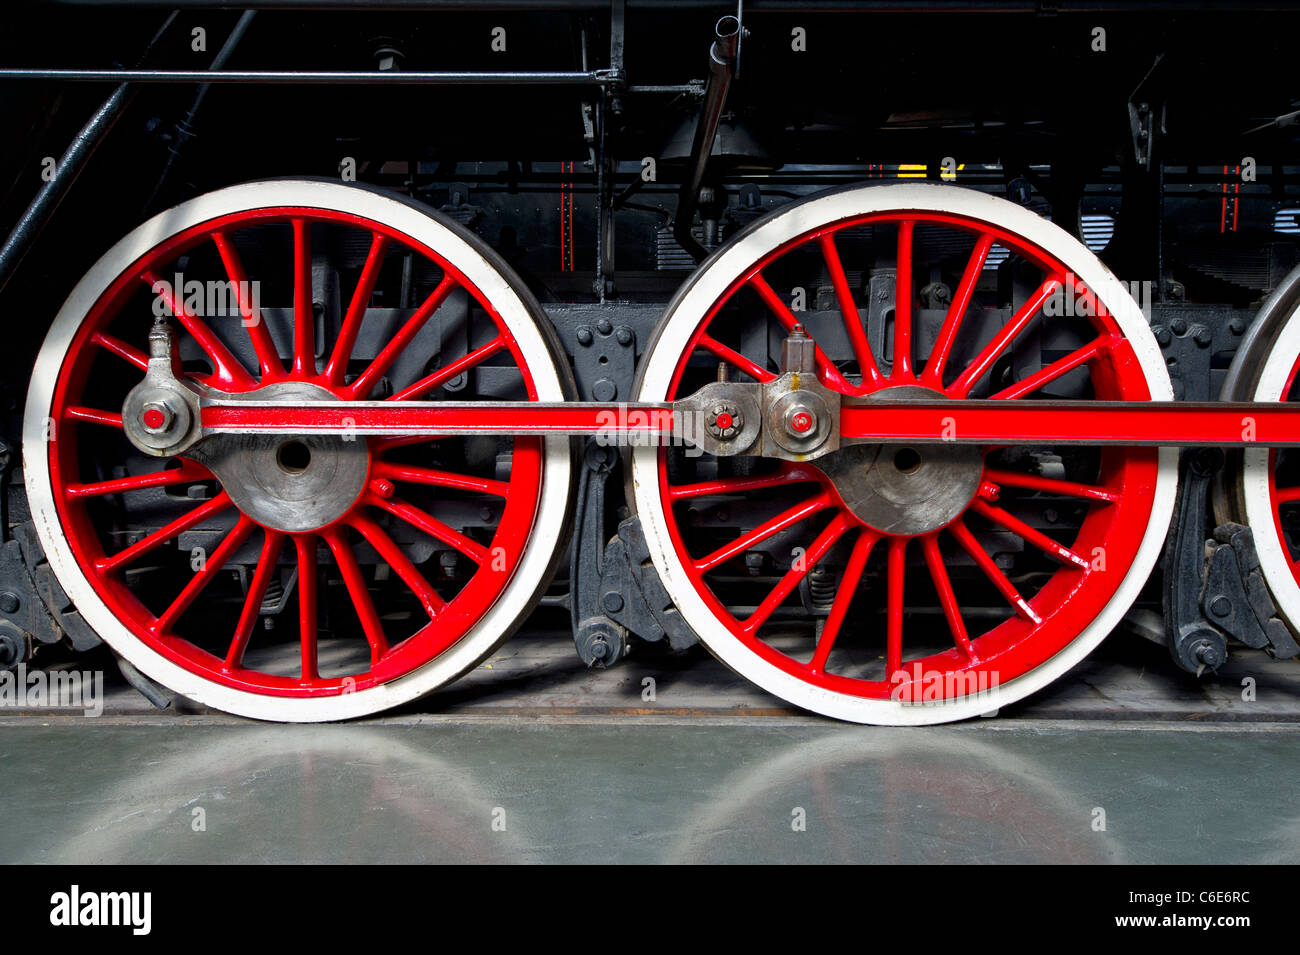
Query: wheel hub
point(291, 483)
point(905, 489)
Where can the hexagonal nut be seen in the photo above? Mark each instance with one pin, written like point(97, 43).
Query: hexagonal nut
point(156, 417)
point(801, 421)
point(725, 421)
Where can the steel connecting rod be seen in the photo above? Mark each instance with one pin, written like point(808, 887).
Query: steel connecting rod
point(794, 416)
point(1163, 423)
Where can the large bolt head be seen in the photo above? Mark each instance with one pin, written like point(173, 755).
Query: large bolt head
point(725, 421)
point(156, 417)
point(800, 421)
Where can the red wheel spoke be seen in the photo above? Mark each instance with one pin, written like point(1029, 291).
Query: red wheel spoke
point(1056, 369)
point(304, 316)
point(843, 598)
point(380, 445)
point(947, 599)
point(305, 544)
point(897, 573)
point(227, 370)
point(1018, 527)
point(187, 473)
point(733, 357)
point(934, 366)
point(211, 566)
point(800, 568)
point(788, 474)
point(991, 570)
point(871, 376)
point(111, 419)
point(121, 349)
point(268, 357)
point(384, 549)
point(1034, 482)
point(392, 555)
point(366, 381)
point(338, 362)
point(355, 582)
point(417, 475)
point(164, 534)
point(1092, 305)
point(444, 375)
point(431, 526)
point(765, 530)
point(830, 374)
point(272, 544)
point(902, 370)
point(1288, 495)
point(990, 352)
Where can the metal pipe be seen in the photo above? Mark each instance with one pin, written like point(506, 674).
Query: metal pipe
point(314, 77)
point(185, 128)
point(68, 169)
point(66, 172)
point(722, 69)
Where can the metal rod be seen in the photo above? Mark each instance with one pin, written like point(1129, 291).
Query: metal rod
point(722, 68)
point(185, 128)
point(67, 170)
point(927, 421)
point(314, 77)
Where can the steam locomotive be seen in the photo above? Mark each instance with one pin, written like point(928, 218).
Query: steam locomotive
point(896, 352)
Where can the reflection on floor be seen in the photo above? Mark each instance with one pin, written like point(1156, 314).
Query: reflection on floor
point(544, 791)
point(531, 758)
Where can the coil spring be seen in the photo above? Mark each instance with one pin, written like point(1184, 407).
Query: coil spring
point(821, 589)
point(274, 596)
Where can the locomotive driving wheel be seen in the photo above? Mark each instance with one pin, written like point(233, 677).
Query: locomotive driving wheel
point(963, 577)
point(288, 577)
point(1260, 487)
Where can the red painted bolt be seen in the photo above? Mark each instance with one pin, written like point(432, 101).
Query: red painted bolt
point(382, 488)
point(724, 420)
point(802, 422)
point(153, 418)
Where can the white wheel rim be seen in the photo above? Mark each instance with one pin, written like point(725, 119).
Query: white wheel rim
point(679, 324)
point(1273, 558)
point(552, 505)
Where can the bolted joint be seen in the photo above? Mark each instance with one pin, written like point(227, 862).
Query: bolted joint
point(725, 421)
point(800, 421)
point(160, 414)
point(156, 417)
point(600, 642)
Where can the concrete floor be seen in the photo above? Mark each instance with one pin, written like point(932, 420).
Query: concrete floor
point(533, 759)
point(649, 792)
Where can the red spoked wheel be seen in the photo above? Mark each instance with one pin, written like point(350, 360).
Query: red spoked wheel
point(305, 577)
point(1261, 486)
point(907, 584)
